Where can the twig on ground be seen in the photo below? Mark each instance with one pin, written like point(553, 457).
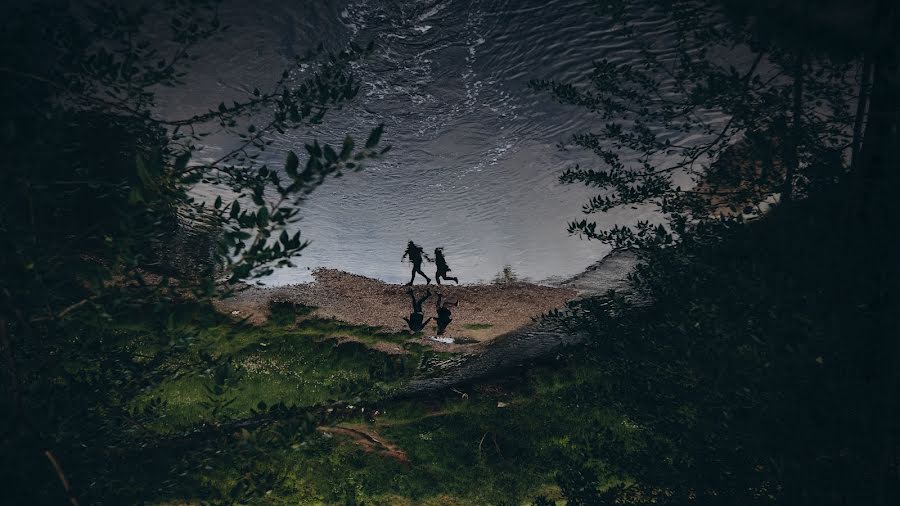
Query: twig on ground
point(62, 477)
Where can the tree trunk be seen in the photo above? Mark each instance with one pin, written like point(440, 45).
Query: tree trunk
point(792, 158)
point(878, 153)
point(861, 110)
point(877, 211)
point(15, 385)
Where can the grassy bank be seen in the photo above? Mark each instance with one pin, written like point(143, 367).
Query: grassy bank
point(499, 442)
point(231, 368)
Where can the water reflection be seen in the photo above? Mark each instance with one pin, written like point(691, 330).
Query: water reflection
point(414, 322)
point(444, 316)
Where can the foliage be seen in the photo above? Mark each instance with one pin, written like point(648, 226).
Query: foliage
point(755, 360)
point(687, 129)
point(760, 373)
point(100, 219)
point(99, 142)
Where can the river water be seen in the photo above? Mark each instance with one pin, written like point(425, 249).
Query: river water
point(475, 156)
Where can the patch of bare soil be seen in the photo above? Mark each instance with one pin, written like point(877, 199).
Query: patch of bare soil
point(484, 311)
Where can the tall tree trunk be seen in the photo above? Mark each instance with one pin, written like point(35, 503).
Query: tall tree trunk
point(877, 209)
point(792, 158)
point(14, 382)
point(861, 110)
point(878, 212)
point(879, 145)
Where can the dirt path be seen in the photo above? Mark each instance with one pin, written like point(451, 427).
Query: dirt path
point(484, 311)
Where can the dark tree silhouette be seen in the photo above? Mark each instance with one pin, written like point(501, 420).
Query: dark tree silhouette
point(95, 198)
point(755, 363)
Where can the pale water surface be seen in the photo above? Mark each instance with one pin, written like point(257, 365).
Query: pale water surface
point(475, 161)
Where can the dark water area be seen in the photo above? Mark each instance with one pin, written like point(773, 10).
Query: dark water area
point(475, 161)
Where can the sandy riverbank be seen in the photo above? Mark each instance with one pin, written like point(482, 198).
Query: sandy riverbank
point(484, 312)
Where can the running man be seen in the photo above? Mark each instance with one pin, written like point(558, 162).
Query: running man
point(442, 267)
point(415, 253)
point(414, 321)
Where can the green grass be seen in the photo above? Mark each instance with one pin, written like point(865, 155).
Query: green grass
point(282, 362)
point(461, 451)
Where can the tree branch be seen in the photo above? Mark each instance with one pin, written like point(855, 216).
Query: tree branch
point(62, 477)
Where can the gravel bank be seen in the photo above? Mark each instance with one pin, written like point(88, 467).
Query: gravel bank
point(484, 311)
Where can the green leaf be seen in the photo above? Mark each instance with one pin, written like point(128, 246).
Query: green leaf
point(218, 203)
point(262, 217)
point(291, 164)
point(143, 173)
point(135, 196)
point(347, 149)
point(181, 161)
point(330, 154)
point(375, 136)
point(235, 209)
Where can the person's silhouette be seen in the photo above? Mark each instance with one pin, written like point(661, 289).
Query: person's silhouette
point(416, 253)
point(442, 267)
point(443, 314)
point(414, 321)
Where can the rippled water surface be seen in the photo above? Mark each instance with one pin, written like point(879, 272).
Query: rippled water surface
point(475, 161)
